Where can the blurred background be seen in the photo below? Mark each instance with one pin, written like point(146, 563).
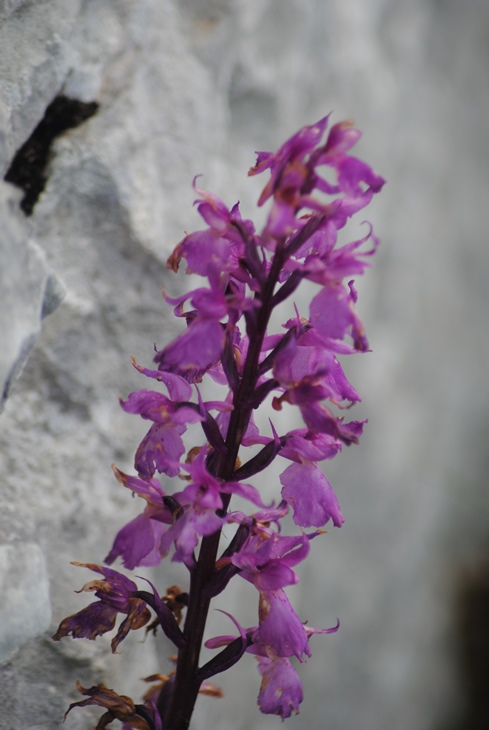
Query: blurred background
point(186, 87)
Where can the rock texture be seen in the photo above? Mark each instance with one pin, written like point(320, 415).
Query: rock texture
point(23, 575)
point(30, 291)
point(188, 87)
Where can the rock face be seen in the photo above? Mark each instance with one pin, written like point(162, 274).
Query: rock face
point(23, 573)
point(185, 88)
point(29, 289)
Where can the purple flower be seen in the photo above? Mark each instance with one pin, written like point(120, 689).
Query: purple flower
point(266, 560)
point(294, 176)
point(280, 627)
point(178, 388)
point(302, 444)
point(281, 690)
point(310, 495)
point(200, 501)
point(193, 522)
point(195, 350)
point(160, 450)
point(325, 264)
point(160, 409)
point(206, 490)
point(333, 316)
point(162, 447)
point(319, 418)
point(353, 174)
point(309, 373)
point(137, 543)
point(219, 247)
point(287, 158)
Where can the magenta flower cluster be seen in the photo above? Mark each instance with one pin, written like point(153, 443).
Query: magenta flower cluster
point(216, 446)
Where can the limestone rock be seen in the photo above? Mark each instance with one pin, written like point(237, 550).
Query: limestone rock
point(29, 291)
point(25, 606)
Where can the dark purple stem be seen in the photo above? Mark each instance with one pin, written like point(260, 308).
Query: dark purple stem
point(177, 713)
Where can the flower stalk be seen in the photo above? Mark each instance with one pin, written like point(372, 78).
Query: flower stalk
point(186, 679)
point(228, 338)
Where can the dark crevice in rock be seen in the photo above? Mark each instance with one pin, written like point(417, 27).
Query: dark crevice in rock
point(28, 168)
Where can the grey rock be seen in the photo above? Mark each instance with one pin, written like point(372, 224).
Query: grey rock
point(35, 59)
point(25, 606)
point(28, 291)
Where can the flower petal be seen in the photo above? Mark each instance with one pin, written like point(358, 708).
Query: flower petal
point(310, 495)
point(281, 690)
point(280, 627)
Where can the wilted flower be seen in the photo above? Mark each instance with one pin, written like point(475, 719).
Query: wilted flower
point(115, 594)
point(118, 707)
